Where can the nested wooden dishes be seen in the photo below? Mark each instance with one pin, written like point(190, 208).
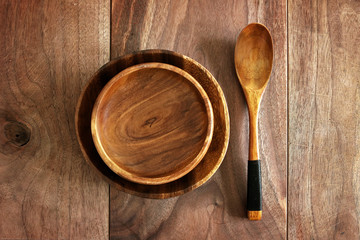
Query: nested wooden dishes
point(213, 157)
point(152, 123)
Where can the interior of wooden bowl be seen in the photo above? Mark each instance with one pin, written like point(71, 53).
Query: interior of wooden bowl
point(152, 123)
point(213, 157)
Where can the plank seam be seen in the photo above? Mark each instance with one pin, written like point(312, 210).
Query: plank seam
point(287, 119)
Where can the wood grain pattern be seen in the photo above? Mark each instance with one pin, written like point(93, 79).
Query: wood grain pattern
point(207, 33)
point(213, 157)
point(324, 104)
point(152, 123)
point(49, 49)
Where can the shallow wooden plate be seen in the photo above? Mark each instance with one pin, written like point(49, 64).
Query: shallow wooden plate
point(152, 123)
point(213, 157)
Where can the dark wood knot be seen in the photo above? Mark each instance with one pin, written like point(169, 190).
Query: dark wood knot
point(17, 133)
point(150, 121)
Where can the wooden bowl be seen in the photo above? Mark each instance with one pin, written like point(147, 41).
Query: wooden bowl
point(152, 123)
point(213, 157)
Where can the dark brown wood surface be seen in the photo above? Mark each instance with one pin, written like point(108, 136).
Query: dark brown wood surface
point(207, 33)
point(49, 49)
point(324, 113)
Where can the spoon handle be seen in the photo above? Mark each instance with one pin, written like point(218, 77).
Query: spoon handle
point(254, 205)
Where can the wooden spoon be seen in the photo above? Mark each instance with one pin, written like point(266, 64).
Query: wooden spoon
point(253, 63)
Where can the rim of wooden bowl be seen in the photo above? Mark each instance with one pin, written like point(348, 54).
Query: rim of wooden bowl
point(174, 174)
point(212, 159)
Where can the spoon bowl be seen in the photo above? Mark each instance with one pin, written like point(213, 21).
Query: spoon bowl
point(253, 64)
point(253, 57)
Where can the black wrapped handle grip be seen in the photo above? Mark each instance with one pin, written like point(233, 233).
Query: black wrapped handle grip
point(254, 204)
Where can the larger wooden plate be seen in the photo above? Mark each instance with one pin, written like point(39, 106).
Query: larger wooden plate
point(213, 157)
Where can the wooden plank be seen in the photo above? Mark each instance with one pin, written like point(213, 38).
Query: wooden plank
point(207, 33)
point(324, 106)
point(49, 49)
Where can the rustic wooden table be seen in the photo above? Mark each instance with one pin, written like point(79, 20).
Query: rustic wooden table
point(309, 121)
